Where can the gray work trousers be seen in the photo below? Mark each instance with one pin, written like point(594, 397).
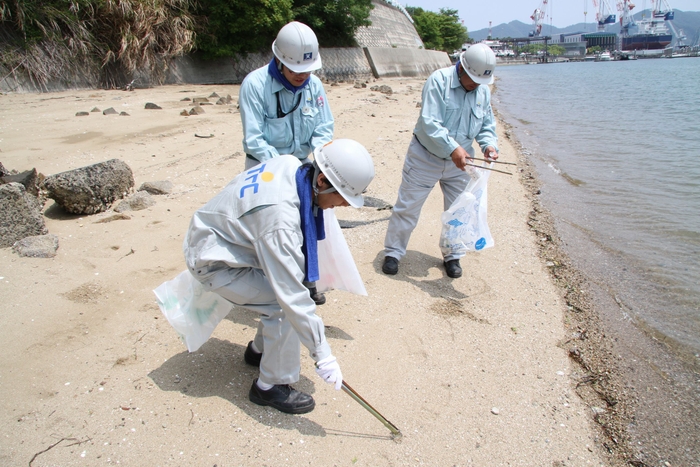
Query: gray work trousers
point(275, 338)
point(421, 170)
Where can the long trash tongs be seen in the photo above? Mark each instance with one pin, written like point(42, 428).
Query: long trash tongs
point(394, 431)
point(489, 168)
point(495, 162)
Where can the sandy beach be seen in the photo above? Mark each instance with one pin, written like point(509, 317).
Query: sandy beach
point(474, 371)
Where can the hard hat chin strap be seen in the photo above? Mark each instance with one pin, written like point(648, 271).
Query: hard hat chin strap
point(317, 170)
point(314, 185)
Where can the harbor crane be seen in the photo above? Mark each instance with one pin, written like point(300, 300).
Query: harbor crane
point(603, 14)
point(537, 17)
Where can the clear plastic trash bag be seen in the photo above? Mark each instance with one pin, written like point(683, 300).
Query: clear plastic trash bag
point(336, 267)
point(192, 311)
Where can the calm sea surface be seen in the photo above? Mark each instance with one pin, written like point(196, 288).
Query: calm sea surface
point(618, 147)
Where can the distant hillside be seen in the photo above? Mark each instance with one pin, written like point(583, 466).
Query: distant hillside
point(687, 21)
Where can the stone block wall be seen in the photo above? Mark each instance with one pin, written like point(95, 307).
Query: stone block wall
point(390, 28)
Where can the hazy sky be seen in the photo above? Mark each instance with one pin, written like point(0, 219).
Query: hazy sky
point(559, 13)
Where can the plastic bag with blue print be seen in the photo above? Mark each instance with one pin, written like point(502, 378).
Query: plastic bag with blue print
point(464, 224)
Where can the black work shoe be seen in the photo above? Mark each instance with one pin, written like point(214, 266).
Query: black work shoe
point(319, 298)
point(282, 397)
point(252, 357)
point(390, 266)
point(453, 269)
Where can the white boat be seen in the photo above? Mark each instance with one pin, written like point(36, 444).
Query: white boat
point(604, 57)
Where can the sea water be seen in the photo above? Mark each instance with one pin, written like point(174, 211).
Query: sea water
point(617, 145)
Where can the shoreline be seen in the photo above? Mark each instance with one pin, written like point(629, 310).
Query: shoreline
point(642, 391)
point(599, 383)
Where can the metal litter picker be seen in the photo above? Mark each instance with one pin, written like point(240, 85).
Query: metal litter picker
point(396, 433)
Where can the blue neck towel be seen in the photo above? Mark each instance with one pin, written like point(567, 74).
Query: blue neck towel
point(311, 227)
point(275, 73)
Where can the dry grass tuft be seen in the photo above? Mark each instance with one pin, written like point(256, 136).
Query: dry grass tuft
point(111, 40)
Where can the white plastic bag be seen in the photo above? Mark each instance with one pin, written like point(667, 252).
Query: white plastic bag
point(464, 224)
point(191, 310)
point(337, 269)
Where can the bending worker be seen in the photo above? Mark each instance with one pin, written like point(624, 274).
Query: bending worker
point(255, 244)
point(283, 106)
point(456, 110)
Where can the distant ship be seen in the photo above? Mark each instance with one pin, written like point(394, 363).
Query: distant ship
point(646, 34)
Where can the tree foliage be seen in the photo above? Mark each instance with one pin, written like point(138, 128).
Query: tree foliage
point(538, 48)
point(556, 50)
point(230, 27)
point(334, 22)
point(439, 31)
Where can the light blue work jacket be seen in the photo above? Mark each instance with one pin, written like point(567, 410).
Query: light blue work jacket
point(452, 117)
point(265, 135)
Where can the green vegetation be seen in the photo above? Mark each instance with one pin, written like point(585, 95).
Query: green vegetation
point(535, 49)
point(230, 27)
point(334, 22)
point(556, 50)
point(110, 40)
point(439, 31)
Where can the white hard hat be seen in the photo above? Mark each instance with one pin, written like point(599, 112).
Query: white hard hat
point(348, 166)
point(296, 47)
point(479, 61)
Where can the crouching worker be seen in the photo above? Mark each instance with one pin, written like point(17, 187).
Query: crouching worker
point(255, 244)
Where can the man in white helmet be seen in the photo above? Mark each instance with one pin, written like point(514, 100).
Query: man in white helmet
point(255, 244)
point(283, 106)
point(456, 110)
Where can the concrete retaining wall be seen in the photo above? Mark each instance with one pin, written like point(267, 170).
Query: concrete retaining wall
point(415, 63)
point(339, 64)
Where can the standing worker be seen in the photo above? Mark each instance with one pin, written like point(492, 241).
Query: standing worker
point(255, 244)
point(456, 110)
point(284, 109)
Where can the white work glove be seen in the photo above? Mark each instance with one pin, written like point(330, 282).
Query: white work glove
point(329, 370)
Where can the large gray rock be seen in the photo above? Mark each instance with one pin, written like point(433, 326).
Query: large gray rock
point(20, 214)
point(91, 189)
